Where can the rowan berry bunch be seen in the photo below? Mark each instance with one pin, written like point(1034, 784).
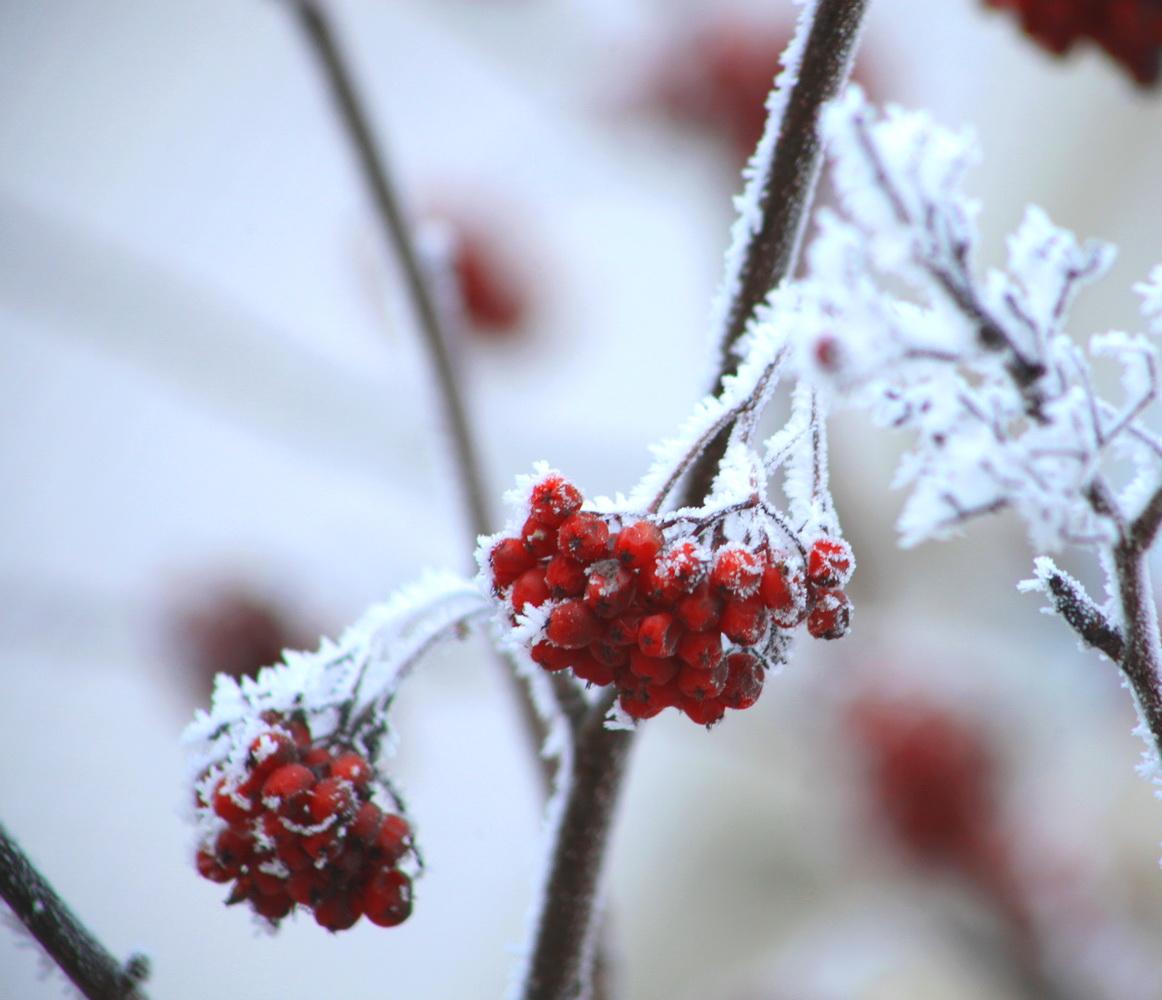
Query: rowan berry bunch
point(1130, 31)
point(296, 824)
point(676, 611)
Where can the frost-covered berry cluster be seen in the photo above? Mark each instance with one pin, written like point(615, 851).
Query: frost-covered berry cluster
point(296, 823)
point(676, 611)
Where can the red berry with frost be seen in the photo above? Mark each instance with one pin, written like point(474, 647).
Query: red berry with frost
point(829, 563)
point(393, 838)
point(306, 887)
point(572, 625)
point(233, 849)
point(830, 617)
point(539, 538)
point(365, 825)
point(744, 620)
point(352, 767)
point(530, 590)
point(609, 653)
point(736, 573)
point(680, 569)
point(211, 868)
point(744, 681)
point(638, 545)
point(699, 611)
point(565, 577)
point(646, 703)
point(509, 559)
point(333, 798)
point(700, 650)
point(269, 751)
point(553, 500)
point(610, 589)
point(584, 537)
point(287, 782)
point(387, 898)
point(658, 635)
point(230, 805)
point(318, 759)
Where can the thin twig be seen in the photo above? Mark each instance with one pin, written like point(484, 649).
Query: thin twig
point(90, 966)
point(1085, 618)
point(373, 165)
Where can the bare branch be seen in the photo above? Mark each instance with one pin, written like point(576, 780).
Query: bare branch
point(87, 963)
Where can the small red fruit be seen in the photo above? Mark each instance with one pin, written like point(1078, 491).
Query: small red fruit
point(539, 538)
point(584, 537)
point(736, 573)
point(830, 618)
point(529, 590)
point(829, 563)
point(744, 620)
point(565, 577)
point(744, 682)
point(554, 499)
point(572, 625)
point(610, 589)
point(638, 545)
point(509, 559)
point(387, 898)
point(658, 635)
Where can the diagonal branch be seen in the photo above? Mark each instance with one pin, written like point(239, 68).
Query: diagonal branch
point(87, 963)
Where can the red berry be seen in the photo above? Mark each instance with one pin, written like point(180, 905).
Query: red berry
point(565, 577)
point(610, 589)
point(210, 867)
point(744, 620)
point(829, 563)
point(704, 711)
point(333, 797)
point(306, 887)
point(699, 611)
point(270, 751)
point(509, 559)
point(394, 837)
point(647, 703)
point(387, 898)
point(272, 907)
point(656, 670)
point(539, 538)
point(623, 631)
point(287, 782)
point(701, 650)
point(352, 767)
point(736, 573)
point(551, 657)
point(233, 850)
point(703, 684)
point(490, 292)
point(230, 805)
point(830, 617)
point(609, 653)
point(594, 670)
point(338, 912)
point(638, 545)
point(744, 682)
point(530, 589)
point(554, 499)
point(572, 625)
point(584, 537)
point(658, 635)
point(365, 826)
point(680, 569)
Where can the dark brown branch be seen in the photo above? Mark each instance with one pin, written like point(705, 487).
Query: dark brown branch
point(92, 969)
point(396, 232)
point(565, 935)
point(789, 183)
point(1144, 529)
point(561, 963)
point(1140, 660)
point(1085, 618)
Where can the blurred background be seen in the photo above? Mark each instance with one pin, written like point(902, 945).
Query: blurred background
point(218, 438)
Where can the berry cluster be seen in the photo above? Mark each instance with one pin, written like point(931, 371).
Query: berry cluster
point(689, 622)
point(298, 826)
point(1129, 30)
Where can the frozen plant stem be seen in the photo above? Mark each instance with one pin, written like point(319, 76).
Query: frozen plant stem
point(561, 961)
point(788, 184)
point(91, 968)
point(373, 165)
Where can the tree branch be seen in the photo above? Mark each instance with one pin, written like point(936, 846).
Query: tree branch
point(788, 185)
point(397, 234)
point(1085, 618)
point(92, 969)
point(1141, 657)
point(561, 963)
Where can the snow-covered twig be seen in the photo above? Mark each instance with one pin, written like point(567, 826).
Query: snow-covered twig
point(87, 963)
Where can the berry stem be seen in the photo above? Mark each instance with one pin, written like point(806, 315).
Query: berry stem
point(356, 123)
point(90, 967)
point(561, 965)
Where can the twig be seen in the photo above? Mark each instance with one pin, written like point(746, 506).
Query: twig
point(560, 965)
point(788, 185)
point(92, 969)
point(1085, 617)
point(357, 125)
